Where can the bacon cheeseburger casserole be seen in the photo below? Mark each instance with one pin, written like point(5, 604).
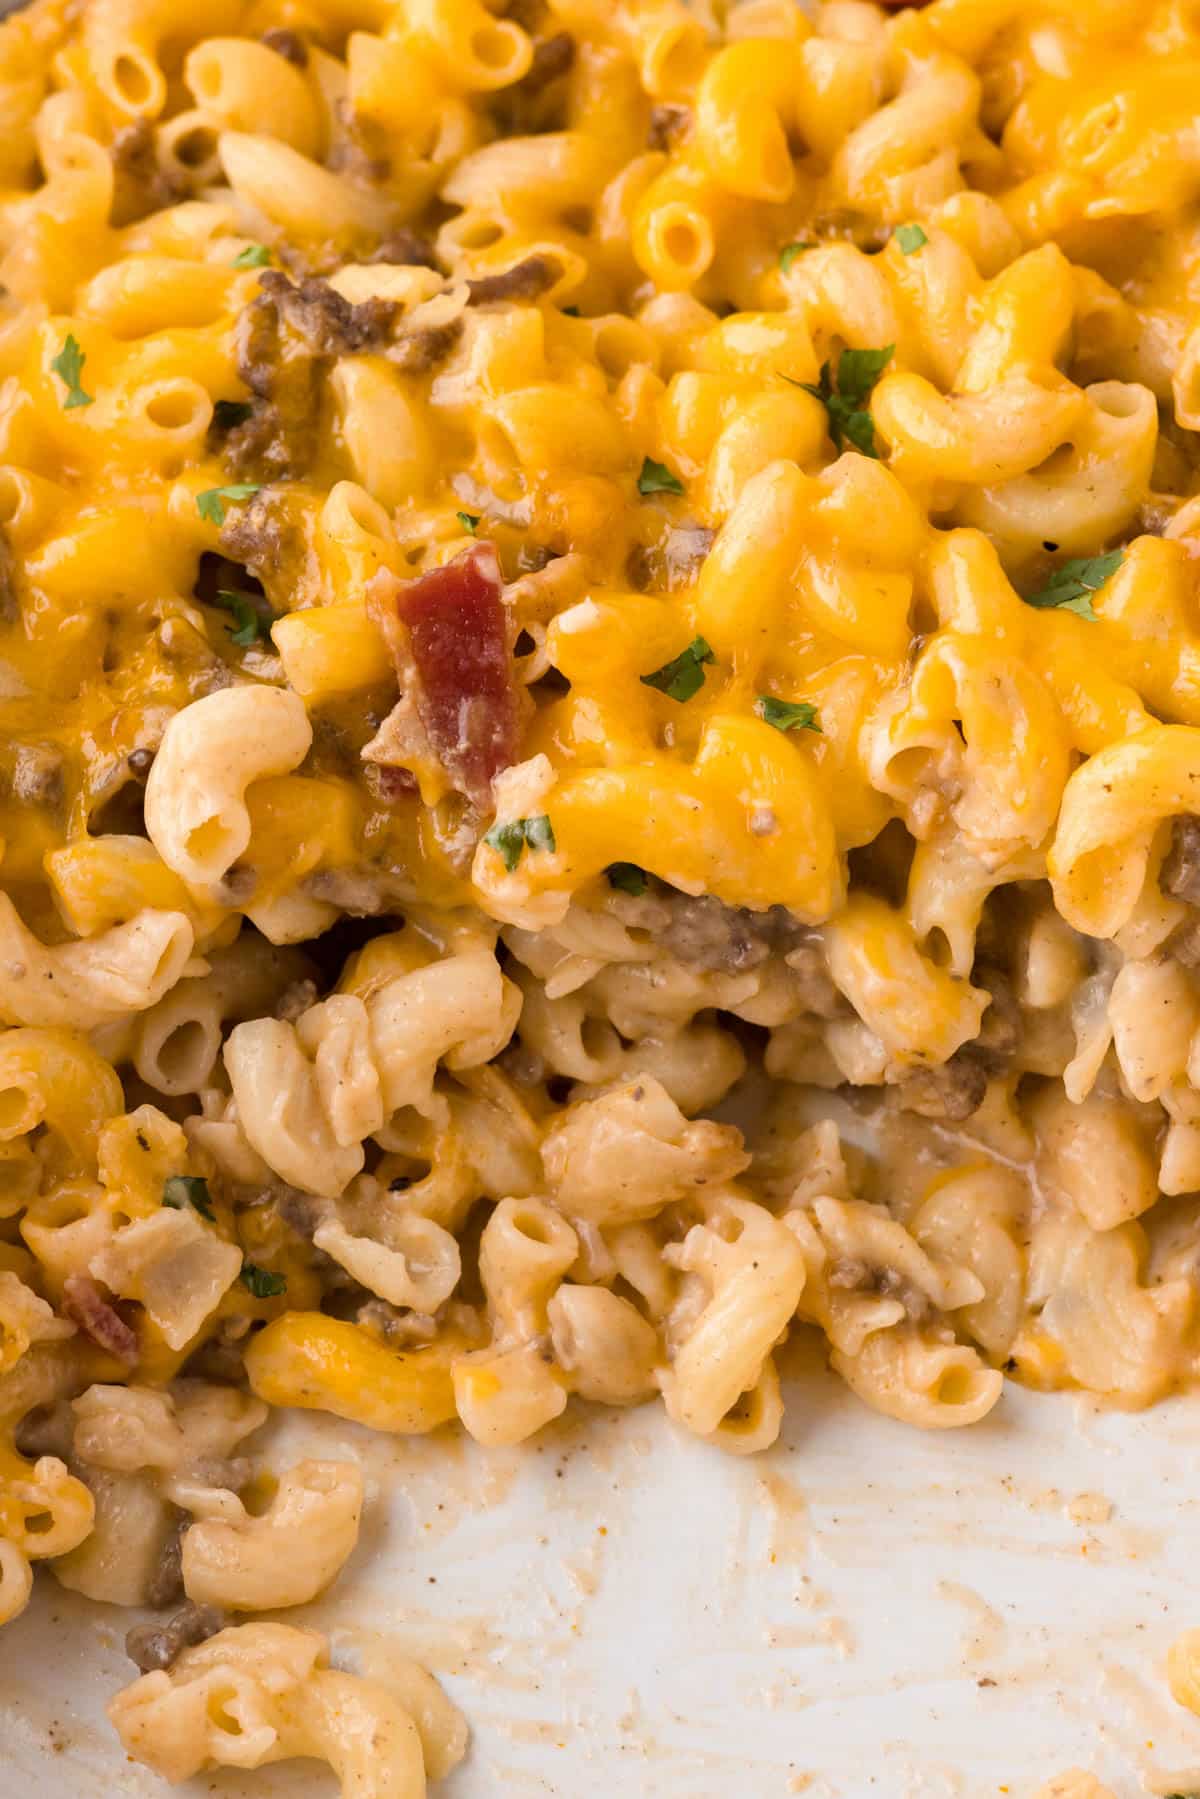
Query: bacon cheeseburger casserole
point(556, 561)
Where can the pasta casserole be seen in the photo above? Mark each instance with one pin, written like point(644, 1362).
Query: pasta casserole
point(599, 759)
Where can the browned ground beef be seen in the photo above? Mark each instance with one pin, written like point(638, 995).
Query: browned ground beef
point(951, 1091)
point(140, 185)
point(406, 248)
point(727, 939)
point(286, 339)
point(260, 537)
point(288, 44)
point(419, 348)
point(552, 57)
point(667, 125)
point(166, 1583)
point(524, 281)
point(1181, 865)
point(151, 1646)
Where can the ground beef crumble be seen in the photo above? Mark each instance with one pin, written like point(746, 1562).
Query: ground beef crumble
point(151, 1646)
point(668, 124)
point(286, 340)
point(951, 1091)
point(1181, 866)
point(288, 44)
point(726, 939)
point(525, 280)
point(405, 248)
point(140, 184)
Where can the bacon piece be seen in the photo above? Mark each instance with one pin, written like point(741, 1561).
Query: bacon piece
point(87, 1307)
point(448, 630)
point(396, 784)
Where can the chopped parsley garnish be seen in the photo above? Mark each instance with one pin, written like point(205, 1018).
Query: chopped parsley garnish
point(184, 1190)
point(656, 477)
point(859, 370)
point(627, 877)
point(789, 253)
point(508, 840)
point(68, 366)
point(261, 1281)
point(211, 503)
point(228, 413)
point(570, 312)
point(249, 623)
point(254, 256)
point(910, 238)
point(787, 715)
point(683, 675)
point(539, 833)
point(468, 520)
point(845, 399)
point(1071, 586)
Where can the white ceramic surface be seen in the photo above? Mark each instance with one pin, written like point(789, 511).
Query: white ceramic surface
point(622, 1612)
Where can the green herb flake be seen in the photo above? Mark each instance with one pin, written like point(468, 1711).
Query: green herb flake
point(254, 256)
point(468, 520)
point(68, 366)
point(261, 1281)
point(683, 676)
point(508, 840)
point(789, 253)
point(910, 239)
point(844, 399)
point(184, 1190)
point(626, 877)
point(228, 413)
point(656, 477)
point(570, 312)
point(211, 503)
point(249, 624)
point(539, 834)
point(787, 715)
point(1071, 586)
point(859, 370)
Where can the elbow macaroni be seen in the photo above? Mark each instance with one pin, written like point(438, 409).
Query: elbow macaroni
point(211, 752)
point(260, 1693)
point(287, 1555)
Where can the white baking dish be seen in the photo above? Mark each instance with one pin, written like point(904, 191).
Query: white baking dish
point(623, 1612)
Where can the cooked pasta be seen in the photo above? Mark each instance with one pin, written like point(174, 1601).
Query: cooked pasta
point(561, 564)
